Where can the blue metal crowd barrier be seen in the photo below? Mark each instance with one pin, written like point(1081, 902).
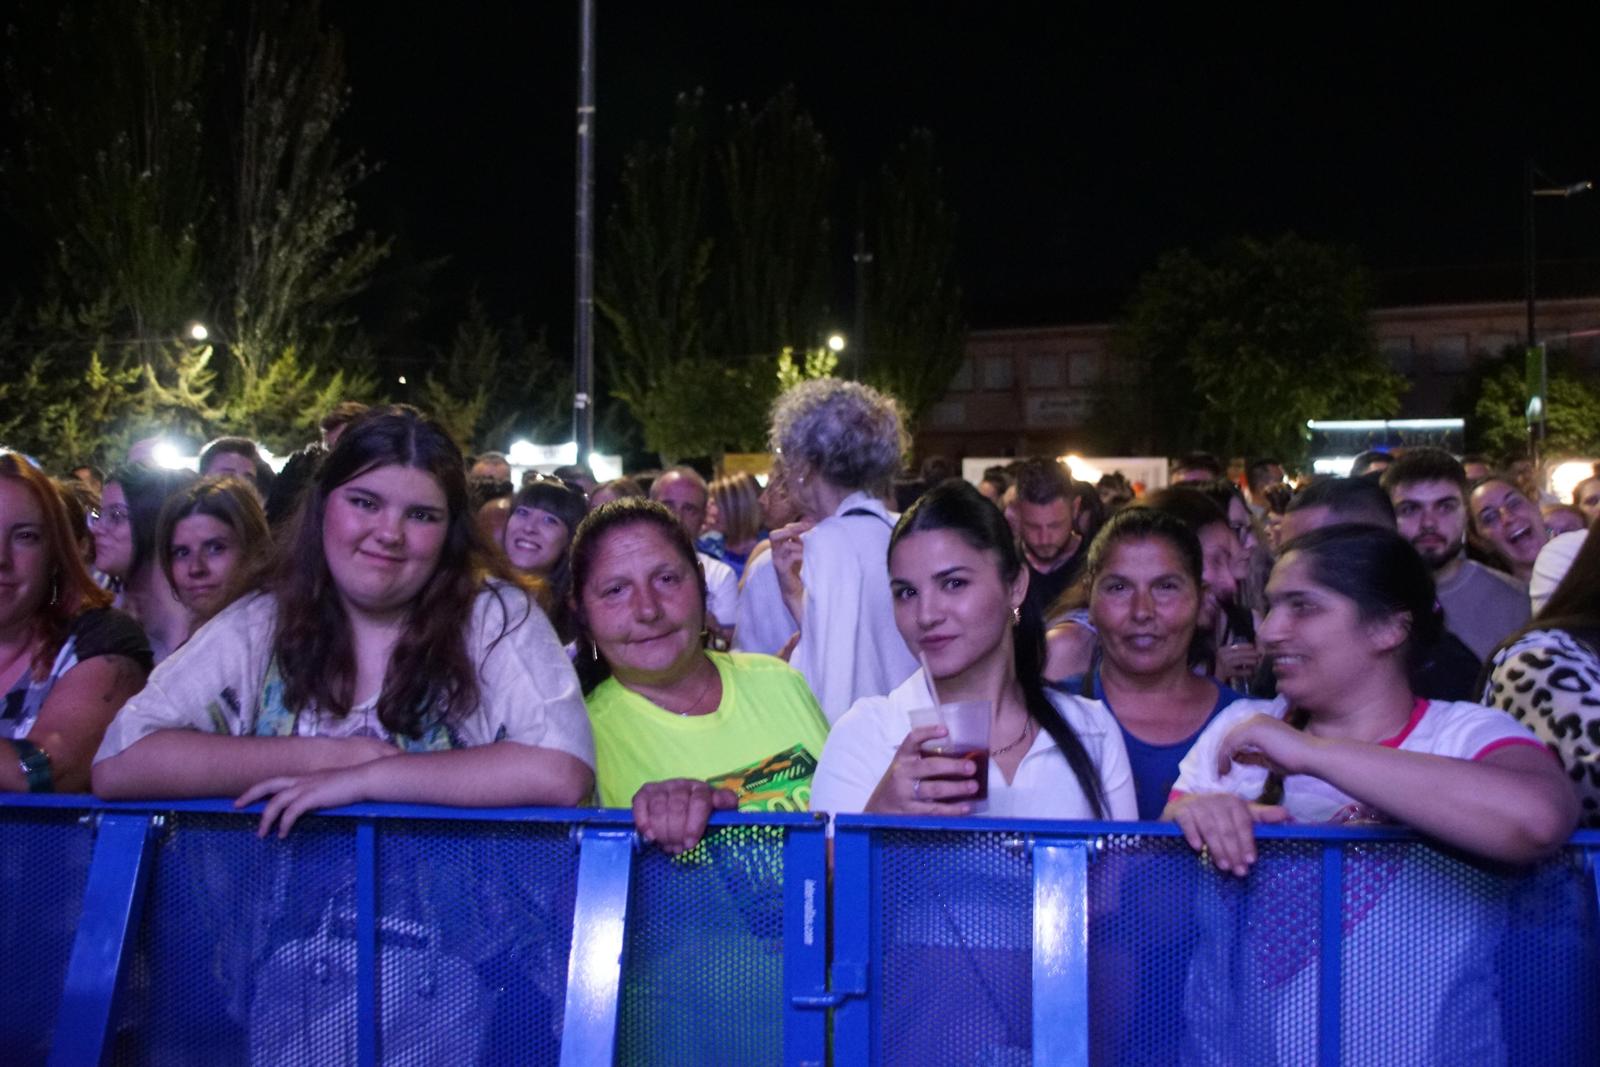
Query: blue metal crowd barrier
point(377, 934)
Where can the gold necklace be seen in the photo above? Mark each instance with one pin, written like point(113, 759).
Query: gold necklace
point(698, 697)
point(1027, 728)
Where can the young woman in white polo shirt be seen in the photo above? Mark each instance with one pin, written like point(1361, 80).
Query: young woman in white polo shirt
point(959, 587)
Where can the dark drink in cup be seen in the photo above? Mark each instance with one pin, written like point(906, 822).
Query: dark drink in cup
point(967, 737)
point(979, 757)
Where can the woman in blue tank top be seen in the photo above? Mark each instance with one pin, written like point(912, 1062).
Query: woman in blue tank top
point(1144, 580)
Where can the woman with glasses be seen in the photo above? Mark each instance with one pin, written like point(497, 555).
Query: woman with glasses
point(68, 660)
point(1507, 528)
point(126, 550)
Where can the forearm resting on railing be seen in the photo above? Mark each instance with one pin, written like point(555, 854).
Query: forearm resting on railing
point(1514, 804)
point(189, 763)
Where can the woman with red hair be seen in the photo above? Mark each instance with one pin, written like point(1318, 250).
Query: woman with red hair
point(68, 661)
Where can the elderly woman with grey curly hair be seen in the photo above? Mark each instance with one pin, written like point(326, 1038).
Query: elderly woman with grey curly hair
point(841, 443)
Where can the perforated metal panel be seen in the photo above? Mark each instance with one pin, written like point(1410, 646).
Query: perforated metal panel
point(1143, 930)
point(241, 957)
point(1240, 955)
point(475, 922)
point(703, 983)
point(957, 929)
point(1451, 962)
point(43, 867)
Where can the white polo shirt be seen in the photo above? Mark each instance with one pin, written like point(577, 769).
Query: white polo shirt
point(862, 744)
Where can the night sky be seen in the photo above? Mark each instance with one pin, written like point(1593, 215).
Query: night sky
point(1077, 145)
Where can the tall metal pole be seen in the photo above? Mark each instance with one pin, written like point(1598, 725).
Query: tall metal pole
point(1527, 246)
point(858, 343)
point(583, 310)
point(1535, 419)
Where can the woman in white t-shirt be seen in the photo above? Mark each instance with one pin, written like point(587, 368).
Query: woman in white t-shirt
point(390, 656)
point(959, 588)
point(1348, 740)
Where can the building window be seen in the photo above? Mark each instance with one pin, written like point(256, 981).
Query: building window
point(997, 372)
point(1086, 368)
point(1399, 352)
point(1450, 353)
point(1044, 371)
point(1494, 345)
point(948, 414)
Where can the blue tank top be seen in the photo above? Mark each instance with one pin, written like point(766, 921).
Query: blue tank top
point(1155, 767)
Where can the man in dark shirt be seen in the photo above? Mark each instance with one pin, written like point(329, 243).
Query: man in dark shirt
point(1445, 670)
point(1047, 513)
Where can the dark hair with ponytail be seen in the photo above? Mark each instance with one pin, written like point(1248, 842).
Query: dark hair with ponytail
point(1379, 570)
point(962, 510)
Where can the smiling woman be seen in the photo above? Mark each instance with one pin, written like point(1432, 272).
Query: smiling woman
point(679, 731)
point(1348, 740)
point(67, 660)
point(537, 535)
point(960, 586)
point(389, 655)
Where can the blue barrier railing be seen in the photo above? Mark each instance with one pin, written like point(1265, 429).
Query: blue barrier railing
point(168, 933)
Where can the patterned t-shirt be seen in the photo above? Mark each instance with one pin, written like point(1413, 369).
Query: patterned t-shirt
point(101, 632)
point(1550, 681)
point(224, 680)
point(762, 741)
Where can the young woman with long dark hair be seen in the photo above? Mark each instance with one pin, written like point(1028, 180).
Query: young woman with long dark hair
point(537, 538)
point(391, 655)
point(959, 587)
point(1348, 740)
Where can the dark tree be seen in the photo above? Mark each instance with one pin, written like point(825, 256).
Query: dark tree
point(1239, 347)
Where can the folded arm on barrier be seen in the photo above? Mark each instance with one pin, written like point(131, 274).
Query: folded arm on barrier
point(504, 773)
point(1511, 802)
point(191, 763)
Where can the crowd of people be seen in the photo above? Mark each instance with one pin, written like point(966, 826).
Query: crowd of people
point(384, 620)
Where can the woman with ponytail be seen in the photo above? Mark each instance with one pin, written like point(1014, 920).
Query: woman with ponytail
point(1347, 740)
point(959, 586)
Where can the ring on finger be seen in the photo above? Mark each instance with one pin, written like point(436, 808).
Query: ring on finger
point(916, 788)
point(1205, 855)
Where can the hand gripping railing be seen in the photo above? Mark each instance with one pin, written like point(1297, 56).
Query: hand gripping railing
point(166, 932)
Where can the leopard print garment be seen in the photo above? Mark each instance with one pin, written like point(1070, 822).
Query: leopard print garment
point(1551, 683)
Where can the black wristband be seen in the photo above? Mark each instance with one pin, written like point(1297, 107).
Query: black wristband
point(35, 764)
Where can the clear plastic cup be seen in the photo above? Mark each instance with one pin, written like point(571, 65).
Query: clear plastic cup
point(967, 723)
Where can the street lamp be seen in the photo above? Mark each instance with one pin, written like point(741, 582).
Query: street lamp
point(836, 343)
point(198, 331)
point(1536, 366)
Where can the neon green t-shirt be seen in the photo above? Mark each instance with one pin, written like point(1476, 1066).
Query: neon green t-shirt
point(762, 741)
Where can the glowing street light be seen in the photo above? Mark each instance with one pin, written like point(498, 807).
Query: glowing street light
point(198, 331)
point(836, 343)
